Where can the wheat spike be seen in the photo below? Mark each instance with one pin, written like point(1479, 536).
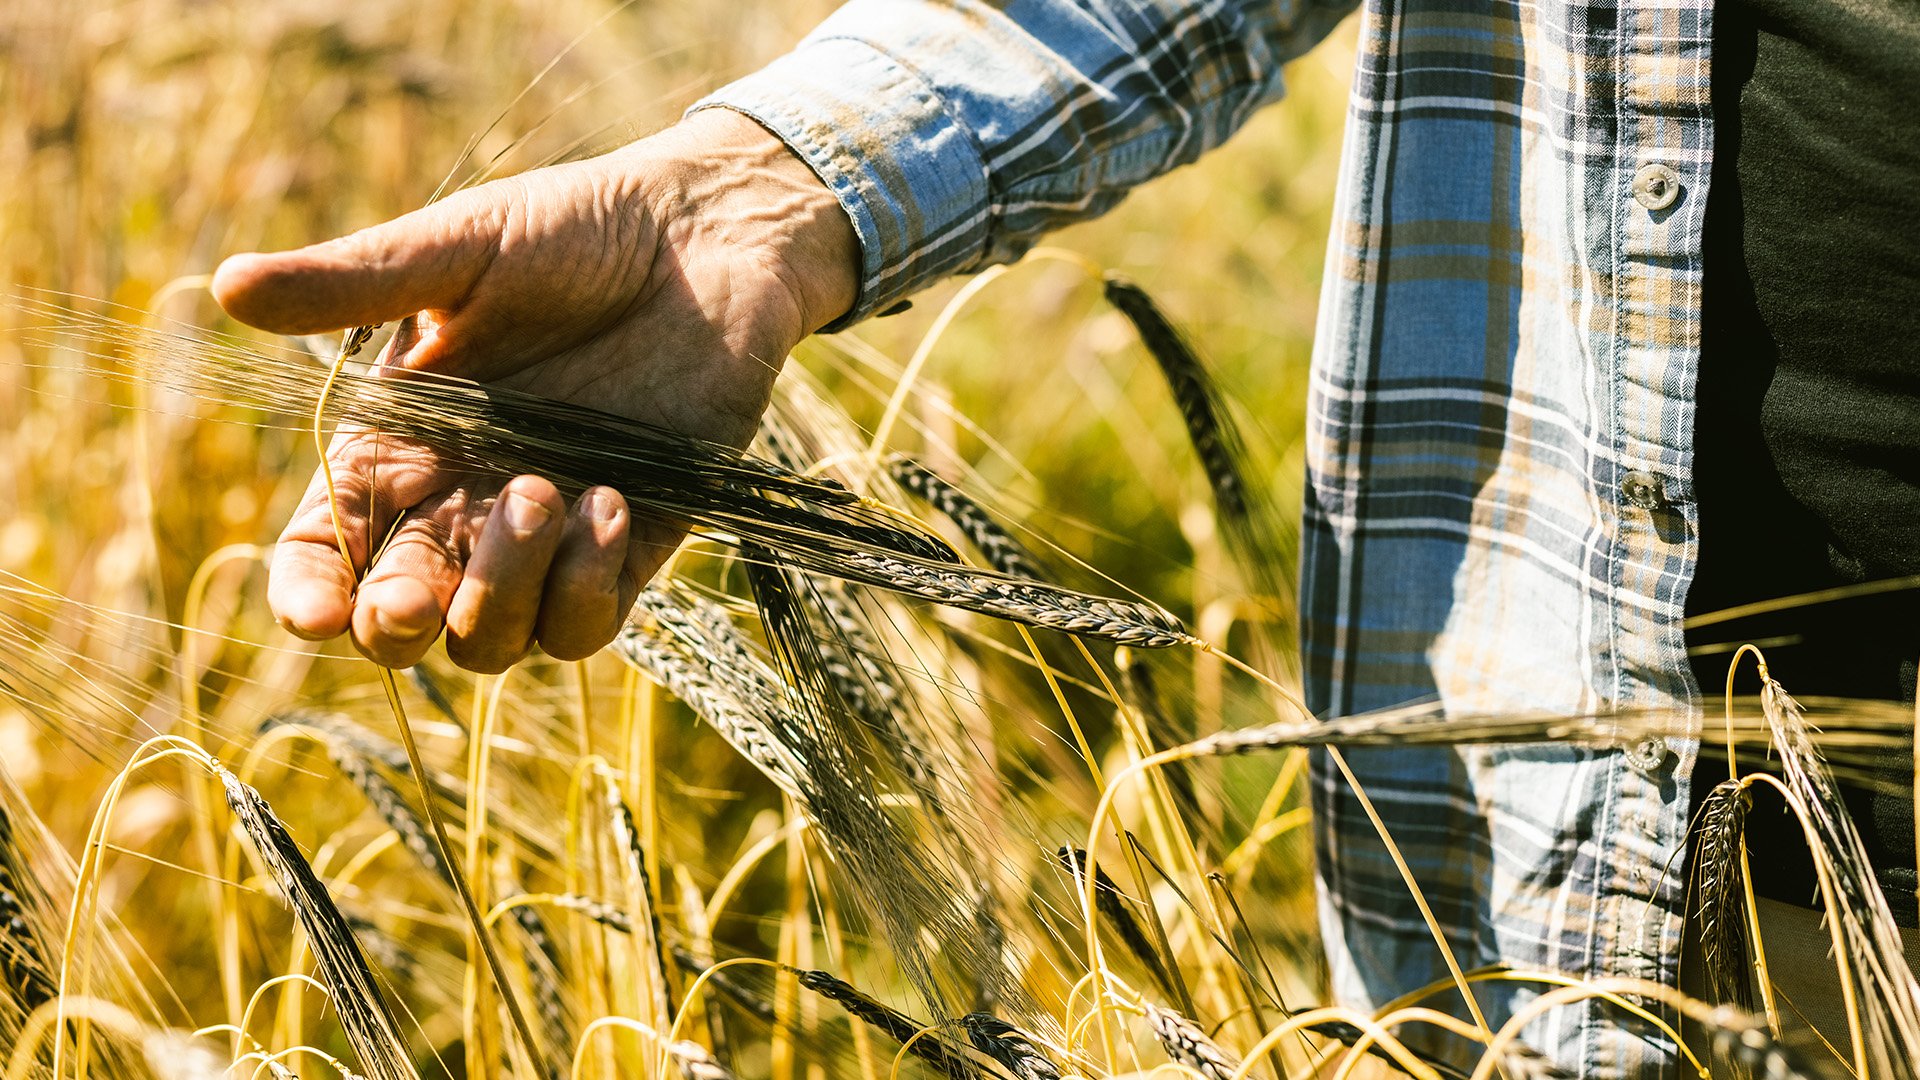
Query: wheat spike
point(865, 683)
point(1249, 522)
point(671, 641)
point(1522, 1057)
point(1009, 1046)
point(813, 524)
point(1002, 551)
point(1185, 1044)
point(1886, 988)
point(789, 721)
point(337, 728)
point(1522, 1062)
point(1724, 945)
point(25, 977)
point(543, 967)
point(1112, 907)
point(1122, 622)
point(598, 911)
point(393, 807)
point(891, 1022)
point(633, 860)
point(752, 1004)
point(431, 689)
point(1138, 683)
point(696, 1062)
point(365, 1019)
point(1737, 1038)
point(850, 655)
point(1193, 391)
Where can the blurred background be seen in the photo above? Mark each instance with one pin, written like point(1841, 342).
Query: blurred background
point(142, 141)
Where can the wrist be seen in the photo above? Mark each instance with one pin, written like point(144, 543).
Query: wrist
point(748, 190)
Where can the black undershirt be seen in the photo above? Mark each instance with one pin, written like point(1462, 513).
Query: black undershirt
point(1807, 430)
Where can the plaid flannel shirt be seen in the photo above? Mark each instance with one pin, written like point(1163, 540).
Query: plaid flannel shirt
point(1501, 406)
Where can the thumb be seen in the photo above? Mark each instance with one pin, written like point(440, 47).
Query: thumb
point(426, 260)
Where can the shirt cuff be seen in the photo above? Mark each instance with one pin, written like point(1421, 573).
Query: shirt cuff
point(908, 174)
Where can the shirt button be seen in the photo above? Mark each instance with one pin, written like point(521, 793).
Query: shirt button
point(1643, 490)
point(1648, 754)
point(1655, 186)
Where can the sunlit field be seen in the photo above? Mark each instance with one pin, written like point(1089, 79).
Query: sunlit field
point(996, 769)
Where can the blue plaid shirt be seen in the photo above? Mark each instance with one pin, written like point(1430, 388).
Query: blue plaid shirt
point(1498, 511)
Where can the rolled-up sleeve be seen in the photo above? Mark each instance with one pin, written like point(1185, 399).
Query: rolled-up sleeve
point(955, 133)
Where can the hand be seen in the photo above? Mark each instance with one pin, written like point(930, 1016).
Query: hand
point(665, 281)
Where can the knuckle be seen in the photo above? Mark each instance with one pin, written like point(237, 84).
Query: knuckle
point(429, 538)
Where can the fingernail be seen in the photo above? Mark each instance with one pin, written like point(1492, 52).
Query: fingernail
point(599, 505)
point(524, 514)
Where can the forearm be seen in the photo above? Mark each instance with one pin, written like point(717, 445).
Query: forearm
point(954, 133)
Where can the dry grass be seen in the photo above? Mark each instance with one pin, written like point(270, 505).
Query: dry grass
point(821, 811)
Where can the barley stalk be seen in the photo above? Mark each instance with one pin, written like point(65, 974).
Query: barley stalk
point(365, 1019)
point(1002, 551)
point(1009, 1046)
point(1112, 907)
point(25, 977)
point(889, 1021)
point(1185, 1044)
point(1724, 947)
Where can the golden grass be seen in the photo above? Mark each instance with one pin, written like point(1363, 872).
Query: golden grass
point(600, 895)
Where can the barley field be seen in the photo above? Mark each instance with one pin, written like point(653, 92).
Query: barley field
point(962, 740)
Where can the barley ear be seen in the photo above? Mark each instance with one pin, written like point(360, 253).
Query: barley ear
point(365, 1018)
point(1724, 945)
point(1001, 550)
point(1185, 1044)
point(1009, 1046)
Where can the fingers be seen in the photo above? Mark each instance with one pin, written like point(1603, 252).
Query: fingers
point(496, 574)
point(311, 587)
point(491, 620)
point(590, 588)
point(426, 260)
point(402, 603)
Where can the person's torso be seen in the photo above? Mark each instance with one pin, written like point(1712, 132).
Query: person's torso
point(1807, 431)
point(1502, 509)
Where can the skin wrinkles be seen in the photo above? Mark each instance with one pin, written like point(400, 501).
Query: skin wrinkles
point(665, 281)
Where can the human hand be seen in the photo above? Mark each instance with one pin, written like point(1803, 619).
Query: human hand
point(665, 282)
